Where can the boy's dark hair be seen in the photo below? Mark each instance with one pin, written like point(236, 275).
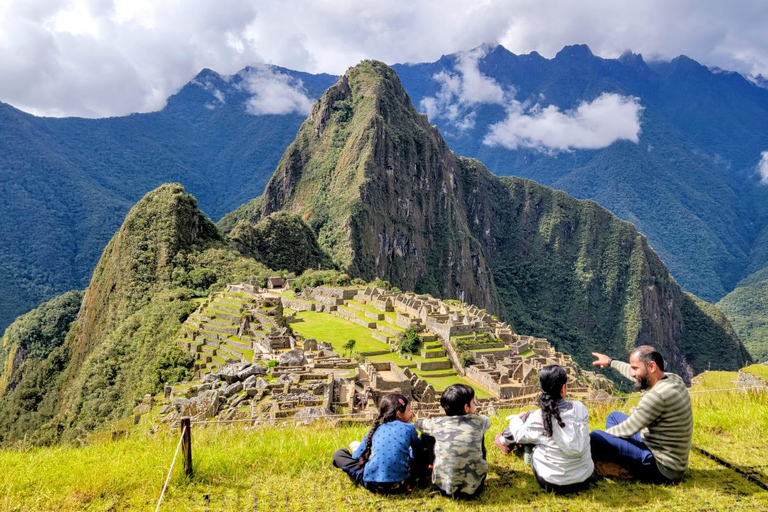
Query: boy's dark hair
point(389, 406)
point(551, 380)
point(455, 397)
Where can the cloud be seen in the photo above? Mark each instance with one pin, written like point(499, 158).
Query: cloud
point(594, 125)
point(762, 168)
point(463, 89)
point(111, 57)
point(275, 93)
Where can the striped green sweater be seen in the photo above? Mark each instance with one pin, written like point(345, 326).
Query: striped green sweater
point(665, 419)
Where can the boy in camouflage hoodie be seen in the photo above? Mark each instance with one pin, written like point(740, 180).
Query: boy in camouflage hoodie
point(460, 466)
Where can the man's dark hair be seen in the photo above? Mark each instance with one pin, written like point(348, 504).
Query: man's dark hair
point(455, 397)
point(647, 353)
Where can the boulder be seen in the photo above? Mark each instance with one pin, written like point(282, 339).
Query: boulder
point(250, 382)
point(292, 358)
point(309, 414)
point(324, 345)
point(211, 377)
point(285, 378)
point(180, 404)
point(166, 409)
point(310, 344)
point(261, 383)
point(205, 405)
point(254, 369)
point(229, 373)
point(232, 389)
point(239, 400)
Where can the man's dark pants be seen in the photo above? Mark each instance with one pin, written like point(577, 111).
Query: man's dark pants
point(630, 453)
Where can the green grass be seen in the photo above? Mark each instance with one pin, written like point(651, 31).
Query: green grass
point(278, 468)
point(336, 331)
point(757, 369)
point(440, 383)
point(395, 358)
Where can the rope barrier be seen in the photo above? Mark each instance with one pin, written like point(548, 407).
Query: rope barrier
point(168, 478)
point(433, 408)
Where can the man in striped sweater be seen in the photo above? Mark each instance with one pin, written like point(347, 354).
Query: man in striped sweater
point(653, 442)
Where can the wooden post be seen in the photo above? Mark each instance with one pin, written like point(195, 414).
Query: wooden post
point(186, 445)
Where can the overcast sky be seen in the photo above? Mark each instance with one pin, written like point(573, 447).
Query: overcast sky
point(111, 57)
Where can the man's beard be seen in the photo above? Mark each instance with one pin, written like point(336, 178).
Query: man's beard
point(642, 383)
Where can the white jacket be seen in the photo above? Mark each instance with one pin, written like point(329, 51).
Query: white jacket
point(563, 459)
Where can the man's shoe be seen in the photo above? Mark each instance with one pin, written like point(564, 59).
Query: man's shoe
point(606, 468)
point(501, 446)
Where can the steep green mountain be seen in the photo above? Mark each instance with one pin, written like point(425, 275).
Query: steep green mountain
point(387, 198)
point(33, 336)
point(747, 309)
point(281, 240)
point(66, 184)
point(122, 343)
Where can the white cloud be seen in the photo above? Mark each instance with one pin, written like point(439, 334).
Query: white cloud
point(463, 89)
point(275, 93)
point(762, 167)
point(112, 57)
point(594, 125)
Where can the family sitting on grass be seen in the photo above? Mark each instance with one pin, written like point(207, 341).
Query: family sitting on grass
point(651, 444)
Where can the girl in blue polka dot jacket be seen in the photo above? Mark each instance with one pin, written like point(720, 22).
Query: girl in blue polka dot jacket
point(382, 462)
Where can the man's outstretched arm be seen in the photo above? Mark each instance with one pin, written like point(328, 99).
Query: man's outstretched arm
point(603, 360)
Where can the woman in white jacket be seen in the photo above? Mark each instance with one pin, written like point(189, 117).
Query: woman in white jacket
point(561, 459)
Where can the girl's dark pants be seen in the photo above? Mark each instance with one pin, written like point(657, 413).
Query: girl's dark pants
point(343, 459)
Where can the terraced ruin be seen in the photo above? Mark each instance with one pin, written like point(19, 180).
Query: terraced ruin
point(272, 353)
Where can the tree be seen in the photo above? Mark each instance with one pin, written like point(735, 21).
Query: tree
point(409, 342)
point(348, 346)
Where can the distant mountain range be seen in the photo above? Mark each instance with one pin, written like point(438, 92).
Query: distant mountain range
point(688, 181)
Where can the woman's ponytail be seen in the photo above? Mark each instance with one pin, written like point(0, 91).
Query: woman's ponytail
point(551, 380)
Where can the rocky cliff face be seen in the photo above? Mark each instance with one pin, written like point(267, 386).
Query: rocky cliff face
point(387, 198)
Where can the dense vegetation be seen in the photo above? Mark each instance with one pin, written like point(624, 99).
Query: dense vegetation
point(122, 344)
point(747, 309)
point(280, 241)
point(689, 185)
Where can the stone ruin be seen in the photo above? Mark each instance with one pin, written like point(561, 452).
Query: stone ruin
point(235, 334)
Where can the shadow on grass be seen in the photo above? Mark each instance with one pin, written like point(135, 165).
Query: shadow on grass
point(724, 481)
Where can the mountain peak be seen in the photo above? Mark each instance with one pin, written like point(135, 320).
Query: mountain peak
point(575, 52)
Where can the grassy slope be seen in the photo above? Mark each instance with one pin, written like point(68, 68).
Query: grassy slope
point(289, 469)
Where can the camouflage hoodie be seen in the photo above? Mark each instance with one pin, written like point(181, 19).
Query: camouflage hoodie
point(459, 459)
